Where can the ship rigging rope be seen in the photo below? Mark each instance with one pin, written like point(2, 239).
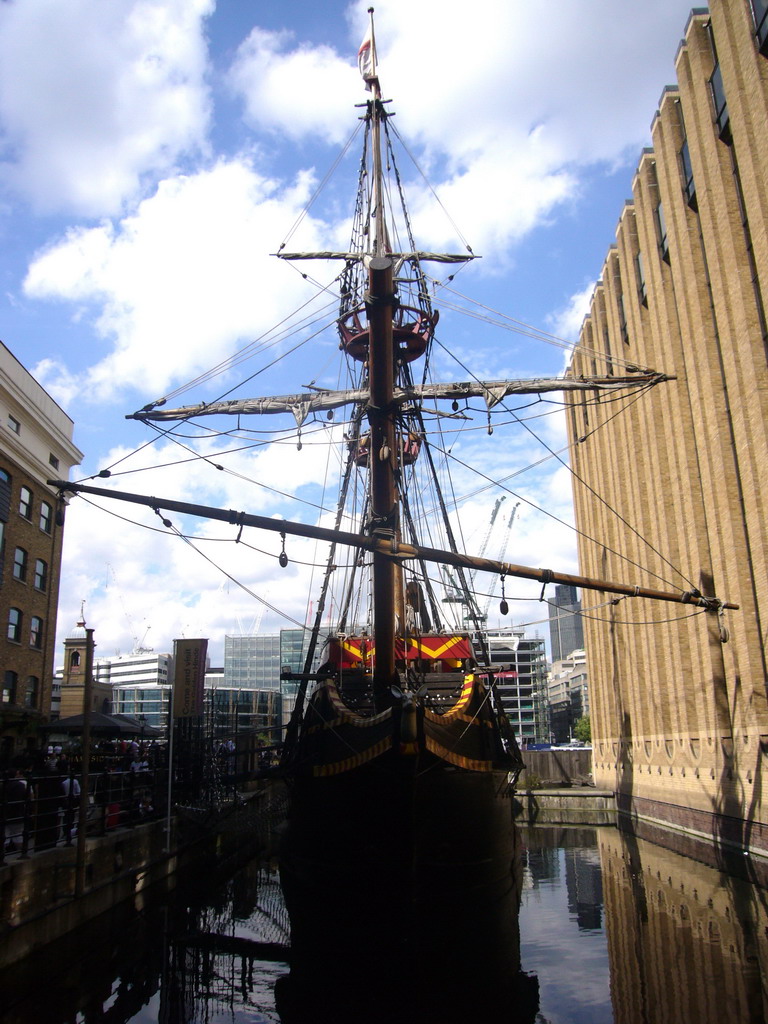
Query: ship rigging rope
point(168, 432)
point(580, 533)
point(630, 401)
point(689, 611)
point(198, 457)
point(508, 323)
point(552, 454)
point(287, 436)
point(533, 622)
point(328, 175)
point(434, 194)
point(242, 355)
point(263, 343)
point(251, 593)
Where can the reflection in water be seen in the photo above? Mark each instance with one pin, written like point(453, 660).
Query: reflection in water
point(686, 941)
point(442, 944)
point(615, 929)
point(561, 915)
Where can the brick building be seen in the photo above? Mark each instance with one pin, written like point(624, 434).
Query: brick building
point(679, 717)
point(35, 445)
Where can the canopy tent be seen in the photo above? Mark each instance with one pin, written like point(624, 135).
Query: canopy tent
point(104, 725)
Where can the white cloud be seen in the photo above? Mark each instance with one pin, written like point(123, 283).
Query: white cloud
point(566, 323)
point(504, 108)
point(579, 84)
point(135, 573)
point(62, 385)
point(279, 87)
point(503, 112)
point(94, 95)
point(176, 284)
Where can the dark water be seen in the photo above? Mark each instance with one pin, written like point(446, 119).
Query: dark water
point(612, 929)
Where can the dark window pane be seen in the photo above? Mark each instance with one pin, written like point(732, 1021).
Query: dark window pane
point(20, 564)
point(46, 517)
point(25, 502)
point(689, 186)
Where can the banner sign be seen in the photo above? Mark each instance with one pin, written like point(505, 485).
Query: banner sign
point(189, 677)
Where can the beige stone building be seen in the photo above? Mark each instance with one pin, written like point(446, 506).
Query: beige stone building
point(671, 488)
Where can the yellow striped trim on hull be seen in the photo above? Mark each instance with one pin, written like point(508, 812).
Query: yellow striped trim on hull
point(348, 763)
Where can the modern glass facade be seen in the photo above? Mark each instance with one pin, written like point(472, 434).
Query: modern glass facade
point(252, 662)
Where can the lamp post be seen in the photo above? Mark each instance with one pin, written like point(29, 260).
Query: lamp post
point(85, 768)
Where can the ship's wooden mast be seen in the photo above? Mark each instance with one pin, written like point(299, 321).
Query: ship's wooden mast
point(384, 504)
point(385, 512)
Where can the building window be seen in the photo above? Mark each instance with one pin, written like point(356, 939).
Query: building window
point(607, 347)
point(53, 461)
point(661, 228)
point(46, 517)
point(719, 103)
point(14, 625)
point(5, 511)
point(25, 503)
point(622, 319)
point(36, 632)
point(686, 171)
point(41, 574)
point(760, 14)
point(74, 659)
point(10, 682)
point(13, 424)
point(642, 289)
point(20, 565)
point(31, 692)
point(5, 496)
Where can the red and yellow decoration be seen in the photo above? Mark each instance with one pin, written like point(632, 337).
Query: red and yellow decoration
point(360, 651)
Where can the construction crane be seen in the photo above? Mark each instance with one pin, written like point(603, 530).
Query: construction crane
point(488, 532)
point(501, 557)
point(455, 594)
point(138, 645)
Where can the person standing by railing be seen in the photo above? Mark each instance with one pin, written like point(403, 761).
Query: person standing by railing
point(70, 791)
point(14, 796)
point(47, 787)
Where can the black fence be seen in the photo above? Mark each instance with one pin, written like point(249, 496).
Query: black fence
point(40, 807)
point(41, 811)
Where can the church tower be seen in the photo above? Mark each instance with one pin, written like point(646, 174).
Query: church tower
point(73, 678)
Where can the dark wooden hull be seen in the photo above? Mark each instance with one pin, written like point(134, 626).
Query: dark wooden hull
point(402, 882)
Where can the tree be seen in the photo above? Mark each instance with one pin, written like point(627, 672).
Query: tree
point(582, 729)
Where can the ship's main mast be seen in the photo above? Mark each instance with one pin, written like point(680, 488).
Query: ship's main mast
point(380, 307)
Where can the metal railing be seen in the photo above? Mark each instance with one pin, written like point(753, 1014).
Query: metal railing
point(41, 809)
point(40, 812)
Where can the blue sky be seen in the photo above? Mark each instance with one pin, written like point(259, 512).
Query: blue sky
point(153, 153)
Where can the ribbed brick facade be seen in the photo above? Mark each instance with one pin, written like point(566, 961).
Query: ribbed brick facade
point(680, 721)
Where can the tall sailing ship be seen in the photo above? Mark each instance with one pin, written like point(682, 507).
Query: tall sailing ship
point(399, 756)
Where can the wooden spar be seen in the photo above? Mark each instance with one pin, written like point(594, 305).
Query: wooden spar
point(394, 549)
point(304, 404)
point(354, 257)
point(384, 508)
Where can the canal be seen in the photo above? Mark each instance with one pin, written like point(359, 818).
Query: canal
point(613, 930)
